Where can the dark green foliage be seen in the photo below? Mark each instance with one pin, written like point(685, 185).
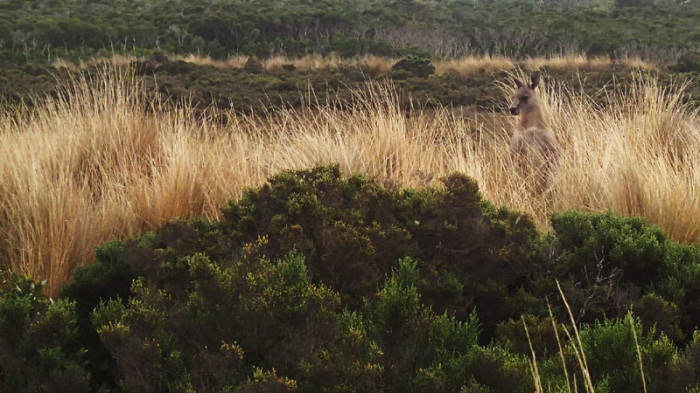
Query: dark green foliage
point(607, 263)
point(253, 66)
point(680, 284)
point(74, 29)
point(655, 311)
point(611, 352)
point(238, 318)
point(316, 282)
point(608, 245)
point(352, 232)
point(688, 62)
point(109, 278)
point(688, 367)
point(415, 66)
point(511, 334)
point(34, 33)
point(40, 349)
point(266, 313)
point(267, 382)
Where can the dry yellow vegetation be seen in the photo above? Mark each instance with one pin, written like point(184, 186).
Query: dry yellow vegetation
point(463, 65)
point(103, 162)
point(375, 65)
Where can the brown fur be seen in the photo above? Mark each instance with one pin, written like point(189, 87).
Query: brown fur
point(533, 146)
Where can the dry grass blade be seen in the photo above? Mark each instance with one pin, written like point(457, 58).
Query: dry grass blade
point(561, 350)
point(578, 346)
point(639, 352)
point(533, 363)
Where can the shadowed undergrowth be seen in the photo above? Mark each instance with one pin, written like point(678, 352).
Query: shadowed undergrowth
point(321, 282)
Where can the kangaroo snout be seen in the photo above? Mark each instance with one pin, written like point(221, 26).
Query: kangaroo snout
point(514, 110)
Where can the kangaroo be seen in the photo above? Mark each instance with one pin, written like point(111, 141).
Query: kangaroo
point(533, 147)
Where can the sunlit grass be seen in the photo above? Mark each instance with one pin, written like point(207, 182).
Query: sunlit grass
point(375, 65)
point(103, 162)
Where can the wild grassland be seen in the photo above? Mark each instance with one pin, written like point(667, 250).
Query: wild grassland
point(102, 162)
point(463, 65)
point(375, 65)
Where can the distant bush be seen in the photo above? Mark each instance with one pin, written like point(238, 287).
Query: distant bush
point(688, 62)
point(255, 88)
point(316, 282)
point(39, 30)
point(416, 66)
point(253, 65)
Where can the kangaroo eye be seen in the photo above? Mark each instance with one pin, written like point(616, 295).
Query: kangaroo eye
point(524, 98)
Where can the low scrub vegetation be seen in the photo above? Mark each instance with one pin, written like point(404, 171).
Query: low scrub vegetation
point(260, 85)
point(653, 29)
point(317, 282)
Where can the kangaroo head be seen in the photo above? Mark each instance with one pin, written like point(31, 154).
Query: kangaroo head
point(525, 99)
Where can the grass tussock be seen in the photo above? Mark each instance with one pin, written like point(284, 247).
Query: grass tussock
point(374, 65)
point(471, 64)
point(117, 60)
point(100, 161)
point(583, 62)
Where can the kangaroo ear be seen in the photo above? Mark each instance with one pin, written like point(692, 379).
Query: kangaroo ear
point(518, 84)
point(535, 79)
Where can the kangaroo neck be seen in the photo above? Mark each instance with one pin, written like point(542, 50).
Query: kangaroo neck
point(533, 118)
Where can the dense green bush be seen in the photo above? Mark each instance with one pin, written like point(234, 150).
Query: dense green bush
point(39, 346)
point(688, 62)
point(415, 66)
point(231, 319)
point(607, 263)
point(611, 352)
point(316, 282)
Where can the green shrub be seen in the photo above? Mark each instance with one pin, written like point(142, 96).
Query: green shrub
point(110, 277)
point(39, 346)
point(612, 358)
point(240, 315)
point(655, 311)
point(317, 282)
point(267, 382)
point(233, 316)
point(352, 231)
point(688, 62)
point(416, 66)
point(608, 244)
point(511, 334)
point(253, 66)
point(687, 370)
point(607, 263)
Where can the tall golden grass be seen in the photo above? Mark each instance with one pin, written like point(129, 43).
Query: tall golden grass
point(464, 65)
point(375, 65)
point(101, 161)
